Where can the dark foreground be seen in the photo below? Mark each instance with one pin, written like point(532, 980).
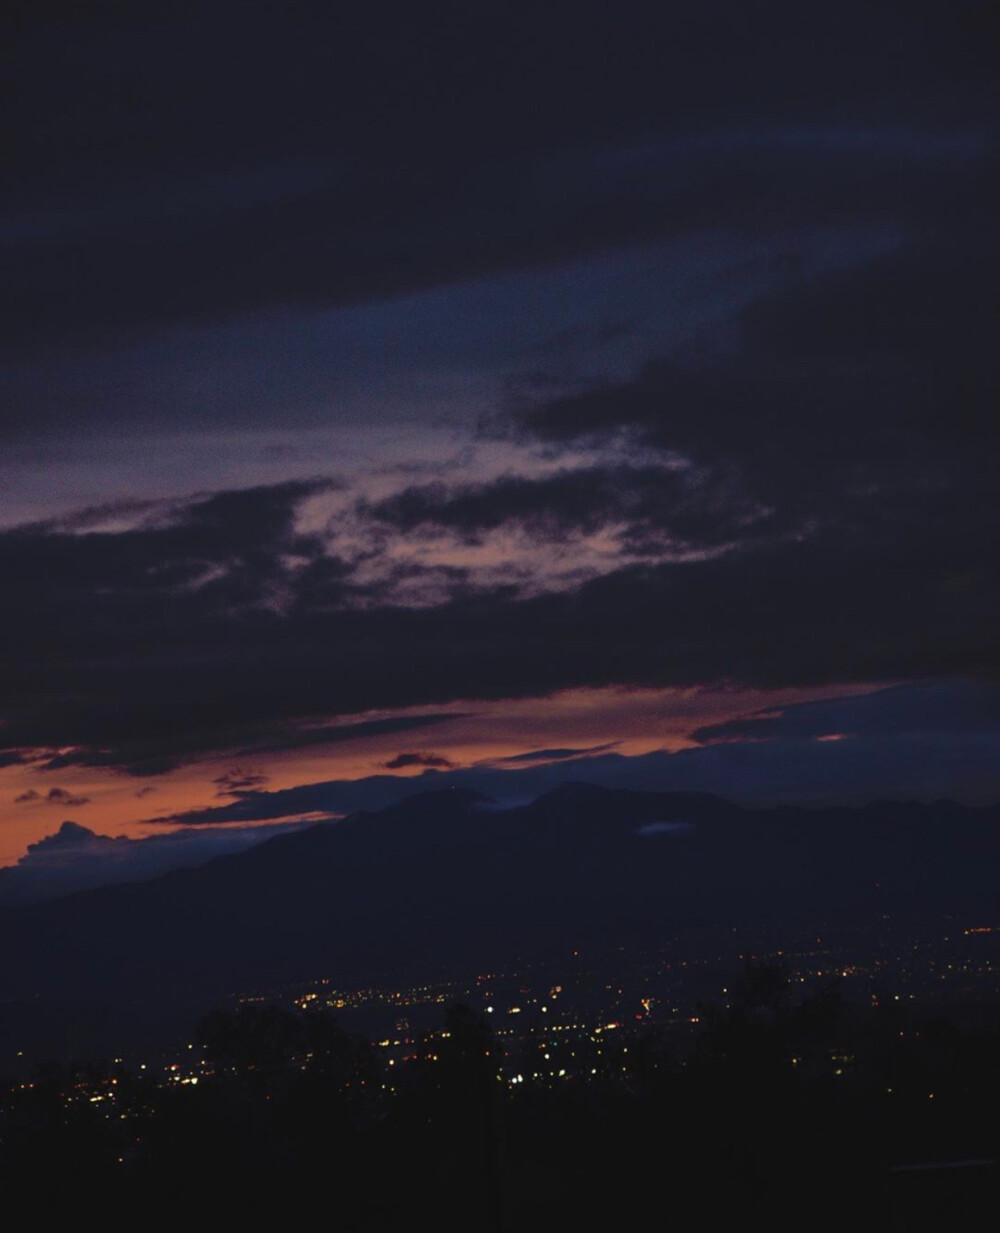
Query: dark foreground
point(801, 1115)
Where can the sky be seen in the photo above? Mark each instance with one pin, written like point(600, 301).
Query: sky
point(399, 394)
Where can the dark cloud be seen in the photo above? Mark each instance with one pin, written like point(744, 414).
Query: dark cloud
point(127, 761)
point(661, 506)
point(506, 135)
point(235, 782)
point(332, 734)
point(314, 800)
point(432, 761)
point(856, 409)
point(195, 633)
point(231, 733)
point(840, 394)
point(54, 796)
point(270, 733)
point(153, 671)
point(555, 755)
point(59, 796)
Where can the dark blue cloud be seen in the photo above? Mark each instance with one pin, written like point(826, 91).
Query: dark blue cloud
point(947, 708)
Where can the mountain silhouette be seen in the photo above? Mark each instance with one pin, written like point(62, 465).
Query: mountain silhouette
point(448, 881)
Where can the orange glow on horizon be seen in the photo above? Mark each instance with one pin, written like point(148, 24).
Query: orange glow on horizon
point(633, 721)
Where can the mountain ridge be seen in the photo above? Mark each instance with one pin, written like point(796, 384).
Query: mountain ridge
point(446, 878)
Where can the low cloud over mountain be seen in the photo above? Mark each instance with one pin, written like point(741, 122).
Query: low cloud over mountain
point(75, 858)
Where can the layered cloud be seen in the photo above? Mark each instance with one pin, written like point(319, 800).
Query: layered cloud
point(919, 742)
point(912, 743)
point(799, 518)
point(489, 354)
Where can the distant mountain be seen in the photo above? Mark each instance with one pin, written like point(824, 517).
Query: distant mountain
point(446, 880)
